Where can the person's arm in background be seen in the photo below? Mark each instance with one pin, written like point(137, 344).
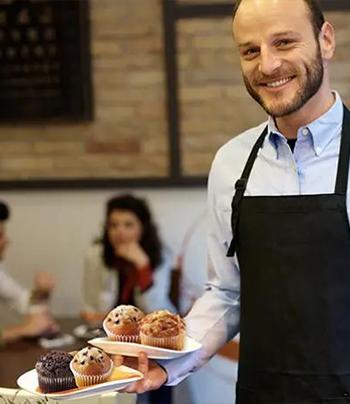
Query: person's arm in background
point(33, 325)
point(12, 292)
point(35, 322)
point(21, 298)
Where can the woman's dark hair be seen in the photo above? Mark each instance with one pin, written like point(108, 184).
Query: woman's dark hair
point(316, 14)
point(150, 241)
point(4, 211)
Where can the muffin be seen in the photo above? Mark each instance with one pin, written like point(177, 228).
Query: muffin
point(54, 372)
point(122, 323)
point(163, 329)
point(91, 366)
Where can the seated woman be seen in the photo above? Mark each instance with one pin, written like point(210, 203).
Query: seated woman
point(128, 266)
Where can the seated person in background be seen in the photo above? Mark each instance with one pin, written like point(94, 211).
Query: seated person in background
point(35, 322)
point(128, 266)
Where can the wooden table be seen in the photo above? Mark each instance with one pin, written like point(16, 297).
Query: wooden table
point(20, 356)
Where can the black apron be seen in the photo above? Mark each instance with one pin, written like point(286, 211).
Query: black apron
point(294, 258)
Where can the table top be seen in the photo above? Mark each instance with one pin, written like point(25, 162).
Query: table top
point(20, 356)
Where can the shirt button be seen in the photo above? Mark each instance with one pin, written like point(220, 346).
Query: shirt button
point(305, 131)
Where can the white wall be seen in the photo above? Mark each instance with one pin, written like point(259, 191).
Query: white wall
point(52, 230)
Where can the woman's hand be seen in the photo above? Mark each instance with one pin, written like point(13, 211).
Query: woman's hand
point(134, 253)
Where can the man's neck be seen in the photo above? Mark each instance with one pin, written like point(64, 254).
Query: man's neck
point(318, 105)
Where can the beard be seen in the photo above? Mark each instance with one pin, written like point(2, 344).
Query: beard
point(308, 88)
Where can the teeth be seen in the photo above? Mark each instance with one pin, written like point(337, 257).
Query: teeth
point(279, 82)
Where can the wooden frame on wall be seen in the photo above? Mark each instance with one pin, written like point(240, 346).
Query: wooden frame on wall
point(173, 12)
point(45, 71)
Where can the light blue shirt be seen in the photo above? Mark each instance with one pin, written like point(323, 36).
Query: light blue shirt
point(312, 169)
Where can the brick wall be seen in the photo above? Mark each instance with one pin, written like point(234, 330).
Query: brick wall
point(214, 103)
point(128, 137)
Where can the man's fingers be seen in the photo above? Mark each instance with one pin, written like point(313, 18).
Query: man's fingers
point(117, 360)
point(143, 363)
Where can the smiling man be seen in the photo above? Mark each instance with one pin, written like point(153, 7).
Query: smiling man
point(279, 238)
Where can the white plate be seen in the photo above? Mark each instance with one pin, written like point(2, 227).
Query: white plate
point(29, 382)
point(133, 349)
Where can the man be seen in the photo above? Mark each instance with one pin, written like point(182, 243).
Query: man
point(285, 284)
point(37, 320)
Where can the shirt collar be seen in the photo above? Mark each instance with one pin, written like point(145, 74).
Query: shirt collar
point(322, 130)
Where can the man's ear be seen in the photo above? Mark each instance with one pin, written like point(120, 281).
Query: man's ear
point(327, 41)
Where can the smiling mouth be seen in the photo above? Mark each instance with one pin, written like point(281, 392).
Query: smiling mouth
point(278, 83)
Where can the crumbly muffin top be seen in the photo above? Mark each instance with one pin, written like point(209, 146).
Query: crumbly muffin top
point(124, 314)
point(54, 364)
point(162, 323)
point(91, 359)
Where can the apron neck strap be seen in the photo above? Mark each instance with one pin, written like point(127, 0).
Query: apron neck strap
point(252, 156)
point(240, 187)
point(344, 153)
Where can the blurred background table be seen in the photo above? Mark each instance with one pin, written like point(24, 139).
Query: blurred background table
point(19, 356)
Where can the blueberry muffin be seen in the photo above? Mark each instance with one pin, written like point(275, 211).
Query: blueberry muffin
point(122, 323)
point(90, 366)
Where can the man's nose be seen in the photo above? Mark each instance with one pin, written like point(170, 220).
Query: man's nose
point(269, 61)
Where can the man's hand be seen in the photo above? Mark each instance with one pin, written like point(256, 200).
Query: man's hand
point(154, 375)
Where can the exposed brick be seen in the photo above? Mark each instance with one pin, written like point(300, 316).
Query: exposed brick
point(126, 146)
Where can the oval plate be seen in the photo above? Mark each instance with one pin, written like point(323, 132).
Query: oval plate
point(29, 382)
point(133, 349)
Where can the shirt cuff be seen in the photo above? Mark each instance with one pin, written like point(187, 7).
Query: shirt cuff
point(179, 369)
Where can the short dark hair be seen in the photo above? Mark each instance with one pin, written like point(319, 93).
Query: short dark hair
point(4, 211)
point(316, 14)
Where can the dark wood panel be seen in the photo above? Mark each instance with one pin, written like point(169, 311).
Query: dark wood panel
point(45, 61)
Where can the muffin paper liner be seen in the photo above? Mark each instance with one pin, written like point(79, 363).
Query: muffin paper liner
point(122, 338)
point(176, 342)
point(87, 380)
point(53, 384)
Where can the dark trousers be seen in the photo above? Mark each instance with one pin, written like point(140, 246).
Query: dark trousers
point(161, 396)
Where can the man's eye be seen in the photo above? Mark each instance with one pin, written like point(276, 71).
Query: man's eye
point(283, 42)
point(250, 53)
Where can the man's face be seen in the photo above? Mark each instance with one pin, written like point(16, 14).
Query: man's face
point(3, 240)
point(281, 60)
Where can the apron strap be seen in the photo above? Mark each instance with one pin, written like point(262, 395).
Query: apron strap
point(241, 184)
point(240, 187)
point(344, 153)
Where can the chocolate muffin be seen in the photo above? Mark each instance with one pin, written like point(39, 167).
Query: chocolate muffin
point(91, 366)
point(54, 373)
point(122, 323)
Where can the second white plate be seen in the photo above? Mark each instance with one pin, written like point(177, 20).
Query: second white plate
point(133, 349)
point(29, 382)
